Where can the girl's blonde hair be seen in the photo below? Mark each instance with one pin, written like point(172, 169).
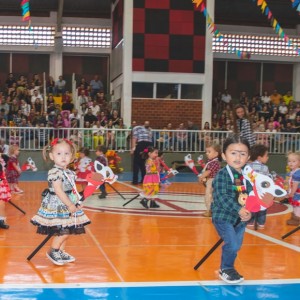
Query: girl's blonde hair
point(48, 149)
point(297, 153)
point(12, 149)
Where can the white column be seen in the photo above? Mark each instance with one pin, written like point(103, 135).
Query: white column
point(56, 63)
point(207, 95)
point(126, 101)
point(296, 82)
point(56, 59)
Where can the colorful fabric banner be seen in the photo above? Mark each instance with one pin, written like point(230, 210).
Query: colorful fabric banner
point(200, 5)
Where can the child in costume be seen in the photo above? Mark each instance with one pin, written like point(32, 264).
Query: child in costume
point(5, 194)
point(164, 170)
point(210, 170)
point(84, 166)
point(229, 216)
point(151, 179)
point(100, 156)
point(60, 213)
point(258, 158)
point(13, 170)
point(294, 187)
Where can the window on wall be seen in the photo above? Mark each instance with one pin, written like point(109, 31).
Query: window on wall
point(167, 90)
point(142, 90)
point(191, 91)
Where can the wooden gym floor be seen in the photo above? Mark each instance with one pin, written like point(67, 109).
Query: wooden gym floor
point(129, 245)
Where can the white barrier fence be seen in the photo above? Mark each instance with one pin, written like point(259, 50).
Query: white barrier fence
point(35, 138)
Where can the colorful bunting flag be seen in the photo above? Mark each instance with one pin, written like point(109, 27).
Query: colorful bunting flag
point(200, 5)
point(274, 23)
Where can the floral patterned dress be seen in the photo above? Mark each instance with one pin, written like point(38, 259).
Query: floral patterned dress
point(151, 179)
point(53, 215)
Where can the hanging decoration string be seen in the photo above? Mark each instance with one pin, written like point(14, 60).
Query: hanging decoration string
point(26, 17)
point(200, 5)
point(274, 23)
point(296, 4)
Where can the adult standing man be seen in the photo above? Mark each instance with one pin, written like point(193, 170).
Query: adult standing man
point(96, 86)
point(141, 139)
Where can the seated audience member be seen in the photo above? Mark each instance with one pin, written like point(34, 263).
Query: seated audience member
point(288, 98)
point(60, 86)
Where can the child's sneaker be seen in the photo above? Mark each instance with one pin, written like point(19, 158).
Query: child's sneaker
point(250, 225)
point(230, 276)
point(144, 203)
point(102, 195)
point(66, 257)
point(55, 257)
point(153, 204)
point(207, 214)
point(261, 226)
point(18, 191)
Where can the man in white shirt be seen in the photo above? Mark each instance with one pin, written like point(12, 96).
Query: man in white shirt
point(36, 95)
point(226, 98)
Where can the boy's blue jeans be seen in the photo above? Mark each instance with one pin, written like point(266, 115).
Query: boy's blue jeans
point(102, 188)
point(233, 240)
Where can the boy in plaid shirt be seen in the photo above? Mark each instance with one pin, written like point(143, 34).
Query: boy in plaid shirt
point(210, 170)
point(228, 215)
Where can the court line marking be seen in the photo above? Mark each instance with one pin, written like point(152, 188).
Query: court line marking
point(147, 284)
point(273, 240)
point(104, 254)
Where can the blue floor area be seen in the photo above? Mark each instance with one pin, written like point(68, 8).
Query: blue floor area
point(125, 176)
point(194, 291)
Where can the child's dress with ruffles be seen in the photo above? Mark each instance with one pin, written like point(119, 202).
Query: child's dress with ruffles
point(151, 179)
point(53, 215)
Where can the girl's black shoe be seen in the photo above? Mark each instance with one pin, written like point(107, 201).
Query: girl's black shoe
point(3, 225)
point(153, 204)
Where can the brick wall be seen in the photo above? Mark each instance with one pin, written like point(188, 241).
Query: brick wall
point(161, 112)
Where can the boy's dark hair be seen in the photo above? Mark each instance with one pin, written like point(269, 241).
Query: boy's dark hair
point(258, 150)
point(160, 153)
point(235, 139)
point(101, 148)
point(85, 151)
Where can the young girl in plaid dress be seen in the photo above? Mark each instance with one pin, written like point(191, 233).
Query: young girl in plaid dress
point(60, 213)
point(242, 124)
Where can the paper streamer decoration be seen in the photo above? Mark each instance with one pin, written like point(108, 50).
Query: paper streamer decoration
point(200, 5)
point(25, 10)
point(274, 23)
point(26, 17)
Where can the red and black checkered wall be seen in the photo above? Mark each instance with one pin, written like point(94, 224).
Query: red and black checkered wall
point(168, 36)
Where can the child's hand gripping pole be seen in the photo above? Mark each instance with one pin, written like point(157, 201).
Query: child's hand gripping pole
point(189, 162)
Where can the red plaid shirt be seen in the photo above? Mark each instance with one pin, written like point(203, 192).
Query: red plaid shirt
point(214, 166)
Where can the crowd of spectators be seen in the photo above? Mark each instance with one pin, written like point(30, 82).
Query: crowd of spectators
point(23, 103)
point(268, 113)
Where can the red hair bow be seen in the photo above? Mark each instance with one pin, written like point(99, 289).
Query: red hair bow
point(55, 141)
